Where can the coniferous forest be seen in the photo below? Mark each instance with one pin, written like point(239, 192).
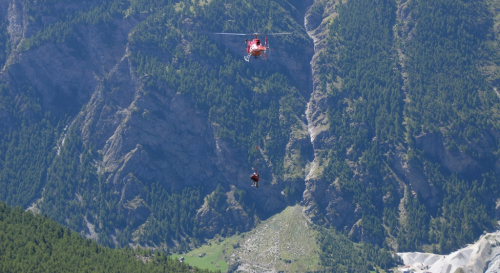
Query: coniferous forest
point(35, 243)
point(441, 46)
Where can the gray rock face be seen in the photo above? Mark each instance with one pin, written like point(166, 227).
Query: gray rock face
point(50, 68)
point(132, 200)
point(233, 217)
point(359, 234)
point(323, 201)
point(415, 178)
point(455, 160)
point(325, 204)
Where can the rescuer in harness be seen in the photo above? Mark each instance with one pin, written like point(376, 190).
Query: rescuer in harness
point(255, 178)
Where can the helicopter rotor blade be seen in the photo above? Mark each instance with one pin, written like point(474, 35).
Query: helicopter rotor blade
point(254, 34)
point(267, 34)
point(282, 33)
point(237, 34)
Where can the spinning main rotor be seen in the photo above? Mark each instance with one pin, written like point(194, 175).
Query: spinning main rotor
point(253, 34)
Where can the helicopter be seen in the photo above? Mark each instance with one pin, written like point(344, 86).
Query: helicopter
point(254, 47)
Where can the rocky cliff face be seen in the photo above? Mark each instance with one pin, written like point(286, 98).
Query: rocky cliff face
point(50, 68)
point(323, 199)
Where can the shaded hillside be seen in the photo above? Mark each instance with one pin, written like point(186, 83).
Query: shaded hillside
point(37, 244)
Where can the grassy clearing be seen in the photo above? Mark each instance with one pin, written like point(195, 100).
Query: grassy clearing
point(214, 254)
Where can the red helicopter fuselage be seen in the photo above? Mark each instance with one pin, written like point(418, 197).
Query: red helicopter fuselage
point(255, 48)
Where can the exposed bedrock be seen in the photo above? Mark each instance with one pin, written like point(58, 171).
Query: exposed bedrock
point(322, 199)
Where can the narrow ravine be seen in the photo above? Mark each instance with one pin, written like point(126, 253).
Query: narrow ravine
point(317, 120)
point(310, 107)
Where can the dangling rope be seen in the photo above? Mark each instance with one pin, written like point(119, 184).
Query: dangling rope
point(255, 139)
point(255, 135)
point(255, 159)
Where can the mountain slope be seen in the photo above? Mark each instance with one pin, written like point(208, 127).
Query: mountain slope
point(37, 244)
point(132, 123)
point(159, 114)
point(400, 117)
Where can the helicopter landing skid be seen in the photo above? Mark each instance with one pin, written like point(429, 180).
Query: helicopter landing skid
point(247, 58)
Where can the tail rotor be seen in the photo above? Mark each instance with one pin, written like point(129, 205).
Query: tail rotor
point(266, 45)
point(265, 52)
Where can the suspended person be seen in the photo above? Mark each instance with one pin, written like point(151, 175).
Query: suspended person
point(255, 178)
